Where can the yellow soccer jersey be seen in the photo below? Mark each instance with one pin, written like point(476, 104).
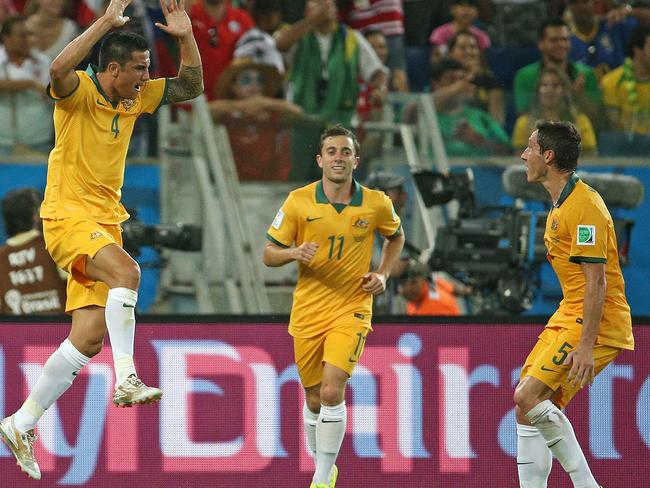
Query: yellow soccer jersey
point(579, 229)
point(329, 288)
point(86, 167)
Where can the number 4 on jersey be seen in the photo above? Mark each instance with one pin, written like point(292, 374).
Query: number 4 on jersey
point(115, 128)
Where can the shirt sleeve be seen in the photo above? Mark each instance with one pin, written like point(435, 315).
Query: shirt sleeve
point(153, 94)
point(74, 99)
point(284, 228)
point(437, 37)
point(588, 228)
point(388, 222)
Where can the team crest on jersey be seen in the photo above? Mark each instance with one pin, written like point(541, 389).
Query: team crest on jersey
point(555, 224)
point(128, 103)
point(586, 235)
point(361, 223)
point(360, 227)
point(95, 235)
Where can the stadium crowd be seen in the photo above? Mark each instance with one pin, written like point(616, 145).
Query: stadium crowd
point(277, 71)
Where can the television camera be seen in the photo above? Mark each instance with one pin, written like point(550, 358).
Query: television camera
point(497, 249)
point(178, 236)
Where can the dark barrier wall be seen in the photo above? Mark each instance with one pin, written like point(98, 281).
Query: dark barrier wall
point(429, 405)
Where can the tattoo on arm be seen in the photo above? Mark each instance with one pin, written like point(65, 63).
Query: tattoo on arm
point(187, 85)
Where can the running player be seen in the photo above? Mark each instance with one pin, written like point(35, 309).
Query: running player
point(591, 326)
point(93, 118)
point(328, 228)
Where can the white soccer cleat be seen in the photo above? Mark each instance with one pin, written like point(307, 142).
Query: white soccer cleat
point(132, 391)
point(21, 445)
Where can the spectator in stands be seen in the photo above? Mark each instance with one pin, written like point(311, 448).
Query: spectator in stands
point(464, 13)
point(258, 123)
point(30, 282)
point(259, 40)
point(618, 13)
point(387, 17)
point(427, 294)
point(326, 60)
point(217, 28)
point(626, 90)
point(466, 131)
point(25, 112)
point(464, 48)
point(379, 42)
point(553, 41)
point(52, 31)
point(594, 40)
point(267, 15)
point(553, 101)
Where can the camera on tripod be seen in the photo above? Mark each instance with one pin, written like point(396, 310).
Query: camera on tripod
point(498, 249)
point(493, 248)
point(178, 236)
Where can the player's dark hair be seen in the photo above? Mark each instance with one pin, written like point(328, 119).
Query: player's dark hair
point(338, 130)
point(551, 22)
point(119, 46)
point(563, 139)
point(19, 208)
point(8, 25)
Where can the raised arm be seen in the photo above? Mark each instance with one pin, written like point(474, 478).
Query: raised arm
point(288, 36)
point(189, 82)
point(64, 79)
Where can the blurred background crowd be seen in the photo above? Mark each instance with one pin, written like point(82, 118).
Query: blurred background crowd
point(492, 67)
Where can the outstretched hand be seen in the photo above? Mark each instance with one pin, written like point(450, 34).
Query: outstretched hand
point(115, 12)
point(178, 23)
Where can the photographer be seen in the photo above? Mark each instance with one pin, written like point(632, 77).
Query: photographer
point(30, 282)
point(428, 294)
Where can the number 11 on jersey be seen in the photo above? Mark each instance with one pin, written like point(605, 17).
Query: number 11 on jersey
point(333, 240)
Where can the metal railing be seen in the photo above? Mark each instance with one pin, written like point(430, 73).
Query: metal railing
point(228, 266)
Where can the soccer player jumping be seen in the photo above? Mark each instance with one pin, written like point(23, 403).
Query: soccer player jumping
point(94, 115)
